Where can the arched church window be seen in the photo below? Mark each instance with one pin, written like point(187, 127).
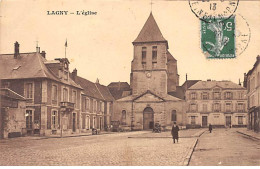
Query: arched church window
point(174, 115)
point(123, 117)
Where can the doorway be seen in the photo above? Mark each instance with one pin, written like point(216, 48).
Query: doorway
point(148, 121)
point(74, 122)
point(204, 121)
point(228, 120)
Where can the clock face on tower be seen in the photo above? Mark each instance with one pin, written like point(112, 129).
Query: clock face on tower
point(148, 74)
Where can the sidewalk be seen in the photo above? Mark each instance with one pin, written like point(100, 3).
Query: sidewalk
point(249, 133)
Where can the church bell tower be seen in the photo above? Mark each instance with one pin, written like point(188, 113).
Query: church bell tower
point(153, 67)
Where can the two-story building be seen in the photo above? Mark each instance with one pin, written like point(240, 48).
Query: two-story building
point(96, 104)
point(220, 103)
point(52, 97)
point(253, 95)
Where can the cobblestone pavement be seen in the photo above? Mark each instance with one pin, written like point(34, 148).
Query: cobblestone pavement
point(110, 149)
point(226, 147)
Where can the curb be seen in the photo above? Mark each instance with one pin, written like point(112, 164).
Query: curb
point(188, 156)
point(248, 135)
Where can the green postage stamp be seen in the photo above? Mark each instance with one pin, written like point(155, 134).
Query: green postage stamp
point(218, 38)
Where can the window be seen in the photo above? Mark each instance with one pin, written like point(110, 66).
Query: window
point(29, 119)
point(205, 107)
point(193, 95)
point(87, 122)
point(74, 97)
point(174, 115)
point(193, 107)
point(240, 95)
point(216, 95)
point(95, 105)
point(228, 107)
point(204, 96)
point(54, 119)
point(228, 95)
point(83, 105)
point(29, 90)
point(87, 104)
point(65, 94)
point(154, 54)
point(144, 57)
point(240, 107)
point(54, 94)
point(94, 122)
point(216, 107)
point(193, 121)
point(123, 117)
point(240, 120)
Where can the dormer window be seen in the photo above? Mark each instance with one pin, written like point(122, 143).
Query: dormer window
point(66, 75)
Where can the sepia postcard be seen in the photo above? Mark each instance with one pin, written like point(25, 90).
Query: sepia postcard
point(129, 83)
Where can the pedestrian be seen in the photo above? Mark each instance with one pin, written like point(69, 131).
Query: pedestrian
point(175, 132)
point(210, 128)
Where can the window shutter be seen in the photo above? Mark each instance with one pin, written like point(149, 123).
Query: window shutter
point(220, 107)
point(231, 107)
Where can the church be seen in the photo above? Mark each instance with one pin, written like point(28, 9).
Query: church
point(154, 92)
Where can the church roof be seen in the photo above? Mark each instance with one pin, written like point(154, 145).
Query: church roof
point(135, 97)
point(170, 57)
point(150, 32)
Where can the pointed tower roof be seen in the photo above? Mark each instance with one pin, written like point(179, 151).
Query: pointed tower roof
point(150, 32)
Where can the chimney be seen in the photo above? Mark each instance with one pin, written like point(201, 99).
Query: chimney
point(97, 81)
point(16, 49)
point(38, 49)
point(245, 81)
point(74, 74)
point(186, 76)
point(208, 80)
point(239, 83)
point(43, 54)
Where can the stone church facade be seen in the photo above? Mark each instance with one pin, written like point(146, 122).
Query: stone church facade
point(153, 81)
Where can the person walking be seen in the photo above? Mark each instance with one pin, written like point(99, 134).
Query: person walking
point(210, 128)
point(175, 132)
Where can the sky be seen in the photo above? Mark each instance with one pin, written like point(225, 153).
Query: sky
point(100, 46)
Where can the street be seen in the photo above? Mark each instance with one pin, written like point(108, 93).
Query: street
point(108, 149)
point(142, 148)
point(226, 147)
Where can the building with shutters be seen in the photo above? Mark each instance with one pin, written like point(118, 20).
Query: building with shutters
point(55, 100)
point(220, 103)
point(253, 95)
point(154, 81)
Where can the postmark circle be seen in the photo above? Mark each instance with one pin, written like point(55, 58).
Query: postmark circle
point(210, 10)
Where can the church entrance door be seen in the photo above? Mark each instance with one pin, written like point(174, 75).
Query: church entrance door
point(148, 121)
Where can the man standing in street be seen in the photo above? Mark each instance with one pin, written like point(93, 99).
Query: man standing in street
point(210, 128)
point(175, 132)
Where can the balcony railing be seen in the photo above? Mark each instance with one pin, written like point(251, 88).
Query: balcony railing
point(67, 106)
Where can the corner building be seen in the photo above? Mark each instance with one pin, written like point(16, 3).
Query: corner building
point(153, 76)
